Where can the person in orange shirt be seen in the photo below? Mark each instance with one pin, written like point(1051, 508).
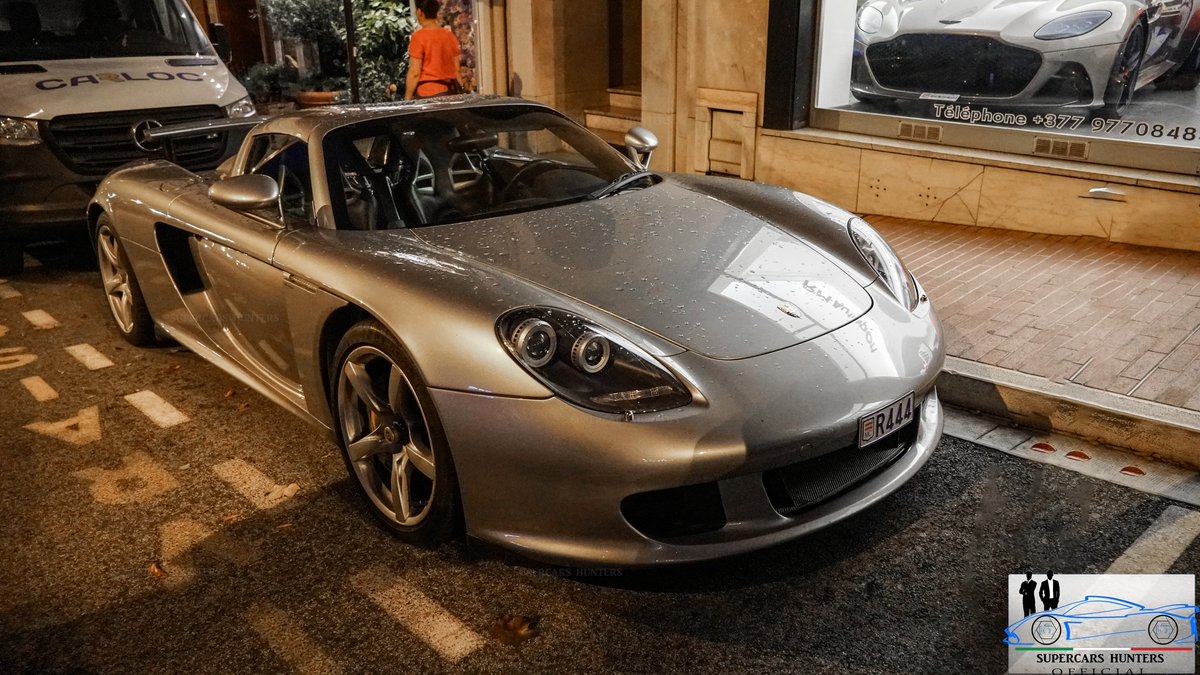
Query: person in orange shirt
point(433, 56)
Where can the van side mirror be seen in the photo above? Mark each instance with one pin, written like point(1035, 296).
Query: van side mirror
point(249, 192)
point(218, 34)
point(641, 143)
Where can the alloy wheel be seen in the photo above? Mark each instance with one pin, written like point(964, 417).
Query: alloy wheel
point(115, 276)
point(386, 435)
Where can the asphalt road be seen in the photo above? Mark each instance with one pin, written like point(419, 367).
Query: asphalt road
point(134, 547)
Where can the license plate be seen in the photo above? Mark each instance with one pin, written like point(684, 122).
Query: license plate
point(885, 421)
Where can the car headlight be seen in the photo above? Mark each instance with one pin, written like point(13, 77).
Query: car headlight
point(886, 263)
point(16, 131)
point(588, 365)
point(1073, 25)
point(241, 108)
point(870, 20)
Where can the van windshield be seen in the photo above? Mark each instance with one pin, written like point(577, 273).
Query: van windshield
point(46, 30)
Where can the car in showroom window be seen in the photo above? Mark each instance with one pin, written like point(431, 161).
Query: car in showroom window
point(1080, 80)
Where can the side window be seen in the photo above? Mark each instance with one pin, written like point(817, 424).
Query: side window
point(285, 158)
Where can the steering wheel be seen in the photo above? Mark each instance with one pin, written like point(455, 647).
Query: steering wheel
point(526, 173)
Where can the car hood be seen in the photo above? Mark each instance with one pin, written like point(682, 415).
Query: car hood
point(982, 16)
point(690, 268)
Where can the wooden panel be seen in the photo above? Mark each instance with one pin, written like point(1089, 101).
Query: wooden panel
point(727, 126)
point(730, 116)
point(725, 151)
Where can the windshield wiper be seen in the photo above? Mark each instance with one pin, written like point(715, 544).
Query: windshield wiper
point(620, 183)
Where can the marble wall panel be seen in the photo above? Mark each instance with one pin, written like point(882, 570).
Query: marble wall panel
point(828, 172)
point(919, 188)
point(1021, 200)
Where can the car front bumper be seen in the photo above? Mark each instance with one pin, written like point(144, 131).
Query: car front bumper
point(1069, 78)
point(40, 198)
point(558, 484)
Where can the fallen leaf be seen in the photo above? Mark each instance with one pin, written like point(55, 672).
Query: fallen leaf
point(229, 394)
point(284, 526)
point(275, 493)
point(243, 407)
point(185, 467)
point(291, 490)
point(514, 628)
point(156, 570)
point(232, 518)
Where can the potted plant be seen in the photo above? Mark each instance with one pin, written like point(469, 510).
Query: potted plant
point(271, 84)
point(382, 32)
point(319, 23)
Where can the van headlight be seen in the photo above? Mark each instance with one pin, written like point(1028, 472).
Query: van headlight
point(17, 131)
point(588, 365)
point(885, 262)
point(241, 108)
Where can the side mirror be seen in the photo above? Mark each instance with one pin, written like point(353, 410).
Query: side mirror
point(218, 34)
point(641, 143)
point(245, 193)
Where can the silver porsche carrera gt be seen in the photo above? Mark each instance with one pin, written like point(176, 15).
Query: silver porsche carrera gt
point(1084, 54)
point(512, 328)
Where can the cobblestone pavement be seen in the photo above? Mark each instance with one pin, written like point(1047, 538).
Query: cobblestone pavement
point(1119, 318)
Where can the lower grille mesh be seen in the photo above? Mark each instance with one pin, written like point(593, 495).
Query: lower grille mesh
point(806, 484)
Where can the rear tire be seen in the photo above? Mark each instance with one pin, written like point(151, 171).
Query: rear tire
point(392, 439)
point(125, 301)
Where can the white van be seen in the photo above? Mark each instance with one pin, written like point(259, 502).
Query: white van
point(75, 77)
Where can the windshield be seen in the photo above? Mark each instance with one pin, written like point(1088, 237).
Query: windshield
point(46, 30)
point(461, 164)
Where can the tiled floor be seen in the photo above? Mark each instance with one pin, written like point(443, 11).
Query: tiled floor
point(1124, 319)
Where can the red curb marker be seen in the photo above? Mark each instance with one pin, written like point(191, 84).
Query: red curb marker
point(1042, 447)
point(1078, 456)
point(1133, 471)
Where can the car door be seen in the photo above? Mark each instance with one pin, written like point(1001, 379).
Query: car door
point(246, 291)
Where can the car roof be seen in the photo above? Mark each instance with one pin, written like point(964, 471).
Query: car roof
point(316, 122)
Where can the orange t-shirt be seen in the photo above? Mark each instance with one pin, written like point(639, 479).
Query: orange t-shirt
point(438, 50)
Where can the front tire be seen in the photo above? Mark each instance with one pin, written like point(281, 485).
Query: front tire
point(1123, 80)
point(125, 300)
point(392, 439)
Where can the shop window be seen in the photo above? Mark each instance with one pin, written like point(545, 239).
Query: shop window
point(1108, 83)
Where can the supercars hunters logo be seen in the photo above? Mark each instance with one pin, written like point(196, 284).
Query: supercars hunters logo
point(153, 76)
point(1101, 624)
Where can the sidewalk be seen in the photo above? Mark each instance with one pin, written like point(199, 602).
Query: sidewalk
point(1069, 320)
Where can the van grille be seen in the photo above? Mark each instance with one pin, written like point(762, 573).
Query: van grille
point(94, 144)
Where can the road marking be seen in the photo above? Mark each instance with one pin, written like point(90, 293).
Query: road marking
point(1161, 545)
point(159, 411)
point(38, 388)
point(13, 357)
point(81, 429)
point(288, 640)
point(180, 537)
point(40, 319)
point(139, 481)
point(89, 357)
point(254, 485)
point(8, 292)
point(426, 619)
